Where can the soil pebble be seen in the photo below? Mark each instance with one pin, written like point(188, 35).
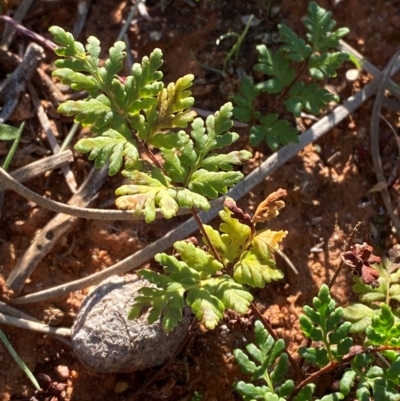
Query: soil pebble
point(62, 372)
point(105, 341)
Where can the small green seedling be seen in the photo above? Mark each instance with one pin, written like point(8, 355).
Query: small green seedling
point(371, 367)
point(292, 75)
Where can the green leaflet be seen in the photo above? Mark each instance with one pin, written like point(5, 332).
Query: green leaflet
point(211, 184)
point(255, 270)
point(243, 110)
point(110, 146)
point(88, 112)
point(296, 48)
point(325, 65)
point(145, 194)
point(319, 25)
point(384, 329)
point(212, 297)
point(276, 66)
point(322, 323)
point(266, 361)
point(311, 98)
point(226, 162)
point(198, 259)
point(231, 241)
point(273, 131)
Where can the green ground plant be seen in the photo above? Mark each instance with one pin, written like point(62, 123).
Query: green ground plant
point(371, 360)
point(292, 77)
point(139, 126)
point(174, 160)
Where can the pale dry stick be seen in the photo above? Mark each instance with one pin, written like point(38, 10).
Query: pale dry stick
point(11, 311)
point(9, 31)
point(128, 21)
point(83, 10)
point(187, 228)
point(12, 88)
point(374, 140)
point(39, 167)
point(55, 147)
point(6, 181)
point(286, 259)
point(29, 325)
point(53, 231)
point(395, 172)
point(366, 65)
point(48, 86)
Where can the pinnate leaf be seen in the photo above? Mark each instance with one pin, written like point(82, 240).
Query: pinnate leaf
point(267, 362)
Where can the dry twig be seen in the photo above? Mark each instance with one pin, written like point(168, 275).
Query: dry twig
point(374, 140)
point(15, 84)
point(53, 230)
point(55, 147)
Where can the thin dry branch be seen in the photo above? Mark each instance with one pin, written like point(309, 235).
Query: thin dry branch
point(6, 181)
point(374, 140)
point(11, 311)
point(39, 167)
point(186, 229)
point(53, 230)
point(9, 30)
point(15, 84)
point(29, 325)
point(55, 147)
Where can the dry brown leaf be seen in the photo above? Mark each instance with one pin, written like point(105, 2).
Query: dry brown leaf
point(269, 208)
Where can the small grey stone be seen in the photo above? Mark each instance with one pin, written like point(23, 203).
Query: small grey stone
point(106, 341)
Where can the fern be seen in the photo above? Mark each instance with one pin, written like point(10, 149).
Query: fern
point(195, 277)
point(138, 114)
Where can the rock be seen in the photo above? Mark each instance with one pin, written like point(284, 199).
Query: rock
point(62, 372)
point(121, 387)
point(105, 341)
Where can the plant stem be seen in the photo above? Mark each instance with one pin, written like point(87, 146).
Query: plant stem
point(204, 232)
point(280, 98)
point(333, 365)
